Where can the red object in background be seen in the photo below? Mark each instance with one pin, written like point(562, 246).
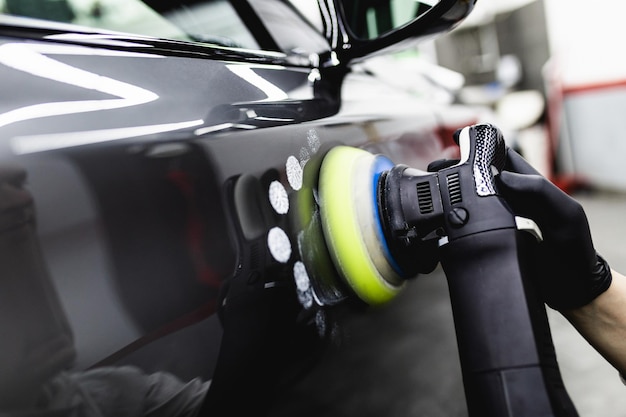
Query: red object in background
point(194, 233)
point(557, 92)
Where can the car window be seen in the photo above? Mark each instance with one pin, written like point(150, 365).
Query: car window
point(211, 21)
point(311, 10)
point(284, 20)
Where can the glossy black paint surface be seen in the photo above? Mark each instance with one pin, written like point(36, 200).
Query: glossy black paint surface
point(150, 163)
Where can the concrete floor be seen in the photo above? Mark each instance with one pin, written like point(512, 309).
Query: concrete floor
point(401, 360)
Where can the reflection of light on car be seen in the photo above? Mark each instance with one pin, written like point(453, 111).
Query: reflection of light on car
point(247, 73)
point(329, 15)
point(40, 143)
point(30, 58)
point(95, 38)
point(220, 127)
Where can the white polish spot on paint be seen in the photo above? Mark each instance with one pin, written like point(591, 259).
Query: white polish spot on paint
point(306, 295)
point(279, 244)
point(303, 283)
point(313, 140)
point(278, 197)
point(294, 173)
point(304, 156)
point(320, 322)
point(305, 298)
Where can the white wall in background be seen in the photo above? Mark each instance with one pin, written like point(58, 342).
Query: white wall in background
point(588, 39)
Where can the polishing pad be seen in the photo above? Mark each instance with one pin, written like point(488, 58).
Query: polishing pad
point(347, 189)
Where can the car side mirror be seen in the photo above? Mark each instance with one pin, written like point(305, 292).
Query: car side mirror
point(367, 27)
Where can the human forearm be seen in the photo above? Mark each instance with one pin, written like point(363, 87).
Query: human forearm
point(603, 322)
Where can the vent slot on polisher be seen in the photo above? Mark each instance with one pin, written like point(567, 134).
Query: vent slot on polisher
point(424, 198)
point(454, 188)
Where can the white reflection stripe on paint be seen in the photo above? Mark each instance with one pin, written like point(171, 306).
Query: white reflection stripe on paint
point(30, 58)
point(247, 73)
point(110, 40)
point(222, 126)
point(40, 143)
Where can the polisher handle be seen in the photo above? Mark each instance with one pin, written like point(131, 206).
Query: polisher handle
point(506, 350)
point(505, 346)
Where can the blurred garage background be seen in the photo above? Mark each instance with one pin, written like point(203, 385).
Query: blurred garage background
point(571, 52)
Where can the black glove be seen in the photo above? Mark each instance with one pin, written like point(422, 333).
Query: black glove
point(571, 273)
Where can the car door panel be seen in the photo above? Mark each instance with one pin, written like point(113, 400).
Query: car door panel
point(160, 170)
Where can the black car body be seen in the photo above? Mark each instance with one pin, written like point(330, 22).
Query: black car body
point(143, 177)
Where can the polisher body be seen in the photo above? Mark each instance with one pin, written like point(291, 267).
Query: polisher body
point(378, 220)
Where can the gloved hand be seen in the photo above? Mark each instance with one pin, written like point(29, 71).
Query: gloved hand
point(571, 272)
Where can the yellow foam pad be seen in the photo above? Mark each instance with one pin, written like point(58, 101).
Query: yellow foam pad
point(347, 209)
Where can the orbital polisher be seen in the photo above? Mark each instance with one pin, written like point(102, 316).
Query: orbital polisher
point(378, 218)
